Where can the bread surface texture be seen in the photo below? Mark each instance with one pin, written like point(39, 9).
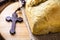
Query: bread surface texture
point(43, 16)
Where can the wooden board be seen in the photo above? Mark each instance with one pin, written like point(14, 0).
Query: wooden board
point(21, 30)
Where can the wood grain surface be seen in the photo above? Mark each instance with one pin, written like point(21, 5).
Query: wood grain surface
point(21, 30)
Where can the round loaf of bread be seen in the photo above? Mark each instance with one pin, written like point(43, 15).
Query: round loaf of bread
point(43, 16)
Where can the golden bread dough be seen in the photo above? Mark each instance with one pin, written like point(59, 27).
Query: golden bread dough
point(44, 17)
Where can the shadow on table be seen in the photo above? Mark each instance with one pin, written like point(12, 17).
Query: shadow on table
point(1, 38)
point(51, 36)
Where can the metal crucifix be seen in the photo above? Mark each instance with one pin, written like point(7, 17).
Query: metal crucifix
point(14, 19)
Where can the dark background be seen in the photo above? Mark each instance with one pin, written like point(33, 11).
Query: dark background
point(5, 3)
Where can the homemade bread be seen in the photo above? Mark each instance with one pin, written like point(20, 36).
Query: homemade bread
point(43, 16)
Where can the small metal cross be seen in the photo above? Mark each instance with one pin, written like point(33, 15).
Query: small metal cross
point(13, 19)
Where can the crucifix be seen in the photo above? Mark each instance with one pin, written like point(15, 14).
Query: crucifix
point(14, 19)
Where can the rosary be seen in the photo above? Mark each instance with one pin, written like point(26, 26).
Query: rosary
point(14, 19)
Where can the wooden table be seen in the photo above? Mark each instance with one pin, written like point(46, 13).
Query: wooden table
point(21, 30)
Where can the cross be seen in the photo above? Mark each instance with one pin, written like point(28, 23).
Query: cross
point(14, 19)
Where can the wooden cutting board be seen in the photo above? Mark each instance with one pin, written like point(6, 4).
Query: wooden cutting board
point(21, 30)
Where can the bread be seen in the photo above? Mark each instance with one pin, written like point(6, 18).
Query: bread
point(43, 16)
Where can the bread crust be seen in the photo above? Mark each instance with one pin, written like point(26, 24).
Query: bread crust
point(45, 17)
